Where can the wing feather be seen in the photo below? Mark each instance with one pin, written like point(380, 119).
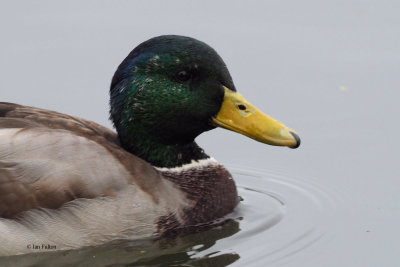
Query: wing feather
point(48, 159)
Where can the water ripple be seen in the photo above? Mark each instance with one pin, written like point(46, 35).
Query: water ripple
point(281, 216)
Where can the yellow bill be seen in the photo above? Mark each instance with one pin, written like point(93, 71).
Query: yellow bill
point(236, 114)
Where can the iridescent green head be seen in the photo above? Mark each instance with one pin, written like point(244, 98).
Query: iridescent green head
point(167, 91)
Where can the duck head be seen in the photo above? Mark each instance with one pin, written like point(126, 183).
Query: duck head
point(169, 90)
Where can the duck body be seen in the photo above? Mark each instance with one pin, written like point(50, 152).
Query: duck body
point(69, 182)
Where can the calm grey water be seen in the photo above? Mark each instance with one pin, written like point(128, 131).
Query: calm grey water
point(328, 70)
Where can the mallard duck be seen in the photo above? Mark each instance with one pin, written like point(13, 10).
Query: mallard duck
point(67, 182)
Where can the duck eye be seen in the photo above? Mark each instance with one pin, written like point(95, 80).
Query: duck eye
point(183, 76)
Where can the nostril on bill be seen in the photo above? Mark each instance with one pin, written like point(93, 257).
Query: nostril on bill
point(242, 107)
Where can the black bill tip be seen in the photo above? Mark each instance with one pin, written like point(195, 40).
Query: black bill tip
point(298, 141)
